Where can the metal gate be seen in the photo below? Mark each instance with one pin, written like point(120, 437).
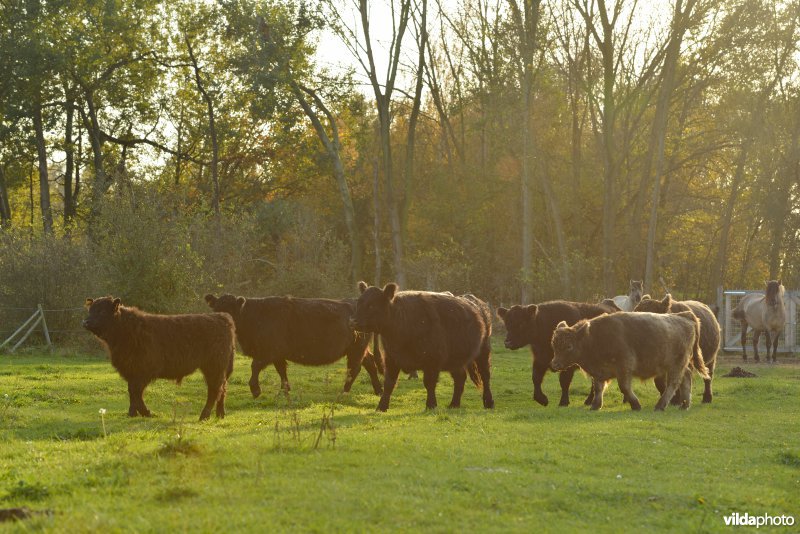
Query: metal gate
point(732, 328)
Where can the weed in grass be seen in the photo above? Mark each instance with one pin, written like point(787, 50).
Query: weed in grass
point(327, 429)
point(790, 458)
point(23, 491)
point(5, 408)
point(176, 494)
point(102, 412)
point(179, 443)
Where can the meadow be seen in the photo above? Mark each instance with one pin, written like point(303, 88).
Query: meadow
point(318, 461)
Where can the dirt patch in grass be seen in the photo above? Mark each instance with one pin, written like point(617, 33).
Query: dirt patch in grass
point(738, 372)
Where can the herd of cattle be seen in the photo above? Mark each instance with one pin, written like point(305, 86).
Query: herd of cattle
point(665, 340)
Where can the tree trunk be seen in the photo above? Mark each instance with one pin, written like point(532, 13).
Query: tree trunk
point(659, 132)
point(558, 225)
point(44, 181)
point(101, 182)
point(212, 131)
point(332, 145)
point(609, 161)
point(5, 208)
point(69, 165)
point(376, 231)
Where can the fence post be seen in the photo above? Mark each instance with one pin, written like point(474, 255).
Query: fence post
point(44, 327)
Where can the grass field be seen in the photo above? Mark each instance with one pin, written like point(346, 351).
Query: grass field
point(520, 467)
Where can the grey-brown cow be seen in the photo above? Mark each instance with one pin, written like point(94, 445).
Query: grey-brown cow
point(625, 345)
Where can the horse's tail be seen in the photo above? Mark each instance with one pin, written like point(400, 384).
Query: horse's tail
point(697, 352)
point(472, 369)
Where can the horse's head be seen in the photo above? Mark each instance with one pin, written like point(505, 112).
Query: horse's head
point(635, 292)
point(774, 293)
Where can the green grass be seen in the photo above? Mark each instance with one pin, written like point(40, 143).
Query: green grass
point(520, 467)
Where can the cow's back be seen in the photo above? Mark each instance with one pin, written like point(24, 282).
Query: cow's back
point(297, 329)
point(427, 326)
point(651, 340)
point(172, 346)
point(710, 336)
point(549, 314)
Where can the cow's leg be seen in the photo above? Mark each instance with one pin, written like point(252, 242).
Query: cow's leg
point(768, 335)
point(598, 389)
point(624, 383)
point(214, 385)
point(353, 368)
point(392, 371)
point(370, 365)
point(661, 385)
point(565, 379)
point(674, 378)
point(707, 394)
point(485, 371)
point(255, 370)
point(135, 392)
point(280, 366)
point(756, 336)
point(538, 375)
point(590, 397)
point(744, 341)
point(430, 377)
point(775, 346)
point(459, 379)
point(223, 392)
point(684, 395)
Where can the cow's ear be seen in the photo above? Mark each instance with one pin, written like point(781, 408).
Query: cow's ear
point(780, 283)
point(531, 309)
point(562, 325)
point(501, 312)
point(362, 286)
point(582, 328)
point(88, 302)
point(240, 301)
point(210, 299)
point(667, 302)
point(389, 291)
point(116, 303)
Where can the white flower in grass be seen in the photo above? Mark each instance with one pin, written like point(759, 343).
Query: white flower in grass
point(5, 396)
point(102, 411)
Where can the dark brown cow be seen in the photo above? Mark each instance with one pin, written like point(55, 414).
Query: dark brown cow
point(431, 332)
point(633, 344)
point(145, 346)
point(533, 325)
point(709, 332)
point(274, 330)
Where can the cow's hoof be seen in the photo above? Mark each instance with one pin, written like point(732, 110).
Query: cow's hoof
point(488, 404)
point(588, 402)
point(541, 399)
point(451, 406)
point(255, 389)
point(595, 407)
point(706, 399)
point(563, 402)
point(381, 408)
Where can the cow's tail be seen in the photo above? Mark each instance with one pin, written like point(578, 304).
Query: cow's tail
point(376, 352)
point(697, 352)
point(472, 369)
point(229, 370)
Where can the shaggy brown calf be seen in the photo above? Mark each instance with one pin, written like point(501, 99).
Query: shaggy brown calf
point(709, 332)
point(274, 330)
point(432, 332)
point(144, 347)
point(626, 344)
point(534, 324)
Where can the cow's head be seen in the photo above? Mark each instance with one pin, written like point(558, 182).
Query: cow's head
point(372, 308)
point(226, 303)
point(102, 314)
point(636, 291)
point(655, 306)
point(774, 290)
point(610, 305)
point(519, 321)
point(567, 342)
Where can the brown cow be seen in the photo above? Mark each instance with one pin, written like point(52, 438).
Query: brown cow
point(533, 325)
point(709, 332)
point(432, 332)
point(145, 346)
point(274, 330)
point(627, 344)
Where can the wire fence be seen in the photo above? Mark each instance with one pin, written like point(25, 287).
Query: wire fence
point(62, 323)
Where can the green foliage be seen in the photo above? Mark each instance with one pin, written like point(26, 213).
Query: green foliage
point(506, 469)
